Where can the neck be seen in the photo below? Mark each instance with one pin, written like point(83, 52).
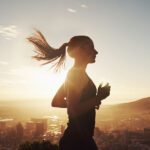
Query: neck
point(80, 65)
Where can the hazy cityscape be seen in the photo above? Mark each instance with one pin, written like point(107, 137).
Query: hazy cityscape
point(112, 132)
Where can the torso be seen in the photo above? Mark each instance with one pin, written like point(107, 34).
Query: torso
point(83, 125)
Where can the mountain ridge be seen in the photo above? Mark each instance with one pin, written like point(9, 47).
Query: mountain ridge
point(25, 109)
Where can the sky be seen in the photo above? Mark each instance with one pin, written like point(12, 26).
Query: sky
point(120, 32)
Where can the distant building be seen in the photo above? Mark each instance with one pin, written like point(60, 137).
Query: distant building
point(36, 127)
point(40, 121)
point(39, 131)
point(4, 123)
point(30, 126)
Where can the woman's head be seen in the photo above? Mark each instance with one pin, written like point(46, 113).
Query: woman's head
point(81, 48)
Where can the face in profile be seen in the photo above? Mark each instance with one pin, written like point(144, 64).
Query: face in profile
point(88, 52)
point(82, 49)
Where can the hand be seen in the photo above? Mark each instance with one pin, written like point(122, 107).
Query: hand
point(103, 91)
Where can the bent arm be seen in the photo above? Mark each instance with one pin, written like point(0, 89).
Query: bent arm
point(76, 108)
point(75, 84)
point(59, 98)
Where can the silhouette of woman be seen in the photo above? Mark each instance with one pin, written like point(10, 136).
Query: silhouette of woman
point(78, 93)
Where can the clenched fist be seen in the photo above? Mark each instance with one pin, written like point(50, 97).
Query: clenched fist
point(103, 91)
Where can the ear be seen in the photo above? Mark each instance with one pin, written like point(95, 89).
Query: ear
point(71, 52)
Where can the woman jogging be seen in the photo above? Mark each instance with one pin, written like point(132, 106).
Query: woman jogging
point(78, 93)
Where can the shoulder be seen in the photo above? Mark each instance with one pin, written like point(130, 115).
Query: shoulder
point(76, 79)
point(75, 74)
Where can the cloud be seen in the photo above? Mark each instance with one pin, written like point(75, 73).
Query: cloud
point(3, 63)
point(84, 6)
point(8, 32)
point(71, 10)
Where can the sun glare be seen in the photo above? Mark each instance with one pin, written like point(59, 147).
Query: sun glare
point(39, 83)
point(49, 81)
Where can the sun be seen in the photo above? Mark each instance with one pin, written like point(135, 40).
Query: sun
point(49, 81)
point(39, 82)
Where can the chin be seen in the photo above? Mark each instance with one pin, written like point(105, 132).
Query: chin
point(92, 61)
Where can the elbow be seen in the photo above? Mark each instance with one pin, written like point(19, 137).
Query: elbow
point(53, 103)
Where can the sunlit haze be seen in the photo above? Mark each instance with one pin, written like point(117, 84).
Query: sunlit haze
point(119, 29)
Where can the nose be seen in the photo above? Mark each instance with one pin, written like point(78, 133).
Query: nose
point(96, 52)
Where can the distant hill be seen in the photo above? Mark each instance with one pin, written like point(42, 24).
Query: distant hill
point(134, 108)
point(25, 109)
point(139, 105)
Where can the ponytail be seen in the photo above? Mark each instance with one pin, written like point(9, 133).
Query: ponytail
point(47, 53)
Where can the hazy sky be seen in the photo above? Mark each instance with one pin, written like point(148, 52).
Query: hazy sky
point(120, 30)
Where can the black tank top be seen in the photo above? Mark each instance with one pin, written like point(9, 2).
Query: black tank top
point(83, 125)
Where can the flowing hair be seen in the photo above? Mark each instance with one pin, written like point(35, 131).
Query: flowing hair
point(47, 53)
